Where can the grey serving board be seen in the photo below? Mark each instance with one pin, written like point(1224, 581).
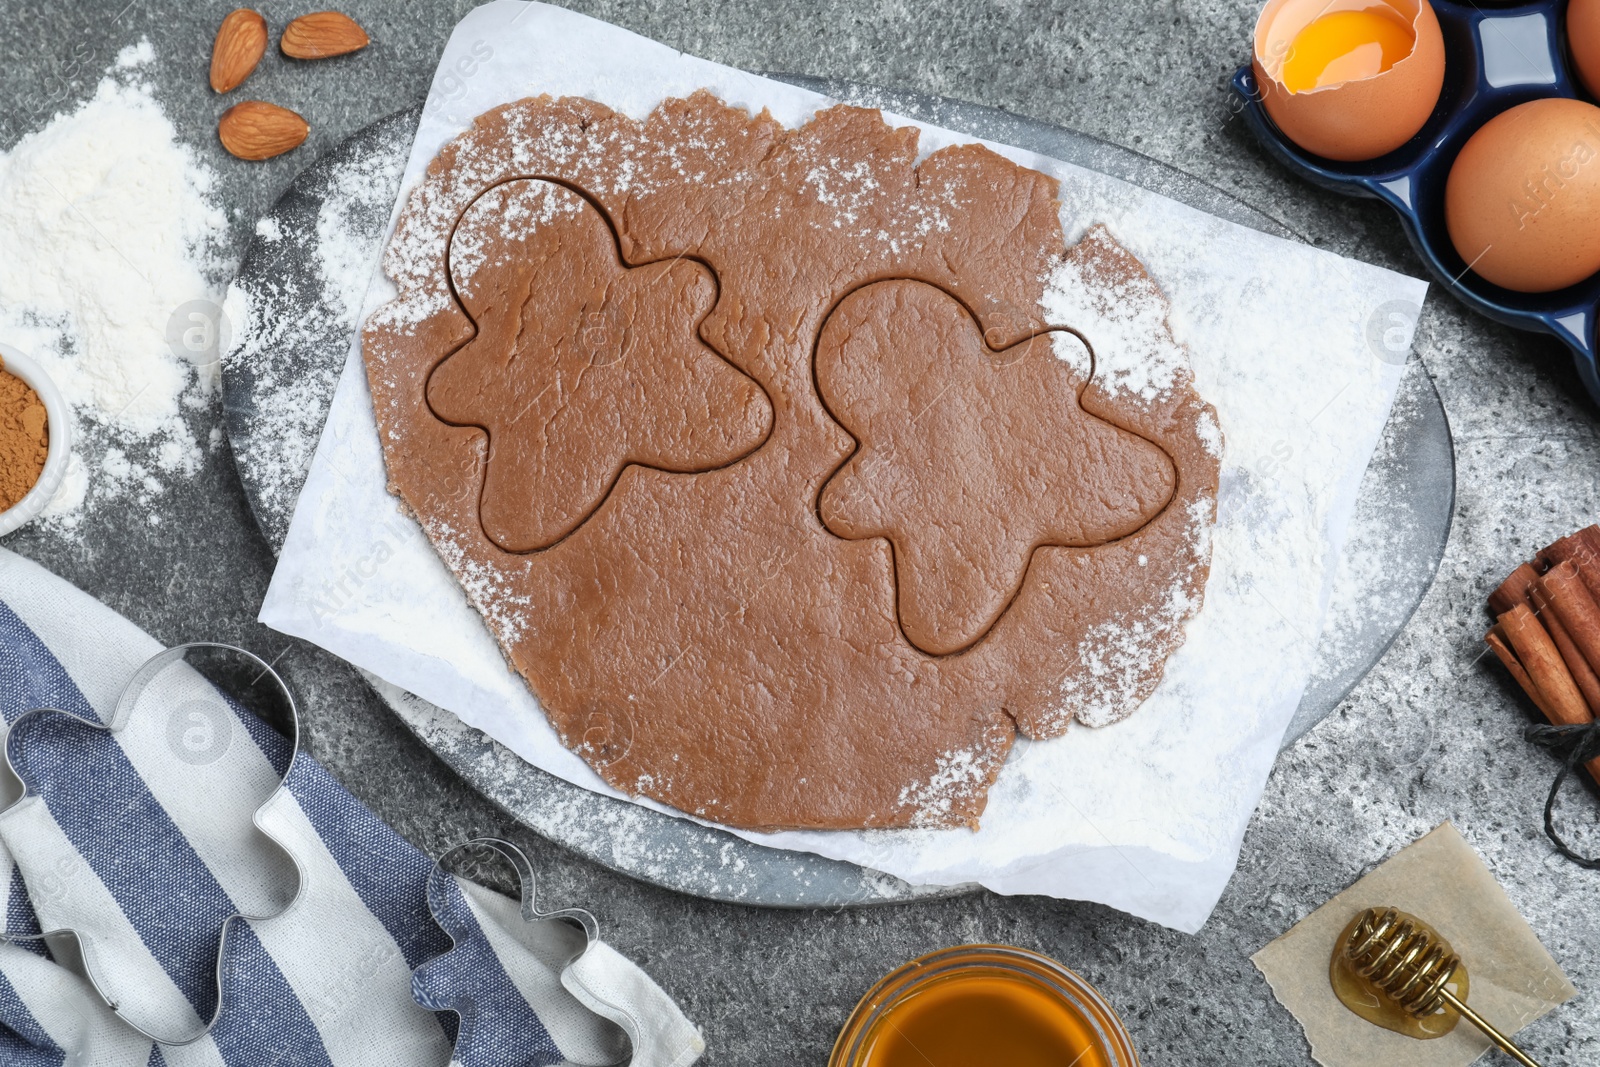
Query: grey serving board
point(1403, 514)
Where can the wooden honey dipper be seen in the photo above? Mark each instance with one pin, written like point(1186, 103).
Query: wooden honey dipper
point(1409, 967)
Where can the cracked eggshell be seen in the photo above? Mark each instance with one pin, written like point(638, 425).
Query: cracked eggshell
point(1352, 120)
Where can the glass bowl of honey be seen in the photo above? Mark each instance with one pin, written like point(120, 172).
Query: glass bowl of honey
point(980, 1004)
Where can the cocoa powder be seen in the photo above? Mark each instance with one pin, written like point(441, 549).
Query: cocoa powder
point(24, 438)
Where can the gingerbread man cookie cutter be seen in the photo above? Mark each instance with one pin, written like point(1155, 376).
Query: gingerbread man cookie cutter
point(94, 968)
point(456, 981)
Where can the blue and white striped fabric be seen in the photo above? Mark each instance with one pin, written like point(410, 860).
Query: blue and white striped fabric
point(145, 840)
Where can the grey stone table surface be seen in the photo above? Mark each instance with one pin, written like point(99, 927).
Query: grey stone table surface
point(1432, 734)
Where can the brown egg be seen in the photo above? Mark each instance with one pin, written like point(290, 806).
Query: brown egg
point(1523, 198)
point(1583, 38)
point(1349, 79)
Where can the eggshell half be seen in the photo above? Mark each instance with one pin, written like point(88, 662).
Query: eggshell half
point(1583, 39)
point(1522, 202)
point(1352, 120)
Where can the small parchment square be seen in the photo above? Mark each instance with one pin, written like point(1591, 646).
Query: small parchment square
point(1441, 880)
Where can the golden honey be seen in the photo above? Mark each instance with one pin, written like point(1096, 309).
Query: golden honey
point(1368, 1001)
point(983, 1006)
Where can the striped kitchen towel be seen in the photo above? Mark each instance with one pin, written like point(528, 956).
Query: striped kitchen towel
point(223, 913)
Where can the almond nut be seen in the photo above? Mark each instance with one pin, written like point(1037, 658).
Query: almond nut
point(240, 44)
point(322, 34)
point(254, 129)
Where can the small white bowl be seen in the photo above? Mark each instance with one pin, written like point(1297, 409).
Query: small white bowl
point(60, 428)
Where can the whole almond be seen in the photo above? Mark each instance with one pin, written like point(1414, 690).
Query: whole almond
point(253, 129)
point(240, 44)
point(322, 34)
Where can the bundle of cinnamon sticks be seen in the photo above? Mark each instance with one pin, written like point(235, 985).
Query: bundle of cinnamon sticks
point(1547, 631)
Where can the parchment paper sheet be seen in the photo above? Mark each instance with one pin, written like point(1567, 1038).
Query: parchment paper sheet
point(1440, 880)
point(1146, 816)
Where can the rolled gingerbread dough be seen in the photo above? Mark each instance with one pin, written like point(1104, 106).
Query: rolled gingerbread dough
point(758, 454)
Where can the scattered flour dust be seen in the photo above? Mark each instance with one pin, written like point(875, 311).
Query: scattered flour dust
point(1126, 320)
point(500, 221)
point(959, 775)
point(1134, 355)
point(109, 232)
point(296, 300)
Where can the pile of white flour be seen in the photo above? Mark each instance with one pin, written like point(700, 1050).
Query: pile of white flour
point(110, 237)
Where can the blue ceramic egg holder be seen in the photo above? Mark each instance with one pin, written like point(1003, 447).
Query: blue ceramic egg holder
point(1495, 59)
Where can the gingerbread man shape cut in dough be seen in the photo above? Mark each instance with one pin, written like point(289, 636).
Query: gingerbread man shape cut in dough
point(969, 458)
point(601, 374)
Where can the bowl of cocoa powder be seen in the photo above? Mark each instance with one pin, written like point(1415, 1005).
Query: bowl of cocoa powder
point(35, 441)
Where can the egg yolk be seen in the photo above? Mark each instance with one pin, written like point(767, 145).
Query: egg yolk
point(1346, 46)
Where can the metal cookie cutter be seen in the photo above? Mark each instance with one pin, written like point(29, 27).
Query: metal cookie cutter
point(524, 867)
point(453, 982)
point(440, 878)
point(147, 672)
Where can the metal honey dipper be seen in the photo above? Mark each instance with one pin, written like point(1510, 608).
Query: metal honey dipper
point(1411, 968)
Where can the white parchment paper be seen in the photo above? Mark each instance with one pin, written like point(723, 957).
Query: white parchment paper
point(1296, 348)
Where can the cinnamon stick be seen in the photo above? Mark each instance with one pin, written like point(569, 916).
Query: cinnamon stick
point(1582, 550)
point(1524, 586)
point(1563, 704)
point(1496, 640)
point(1587, 681)
point(1534, 662)
point(1575, 607)
point(1513, 591)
